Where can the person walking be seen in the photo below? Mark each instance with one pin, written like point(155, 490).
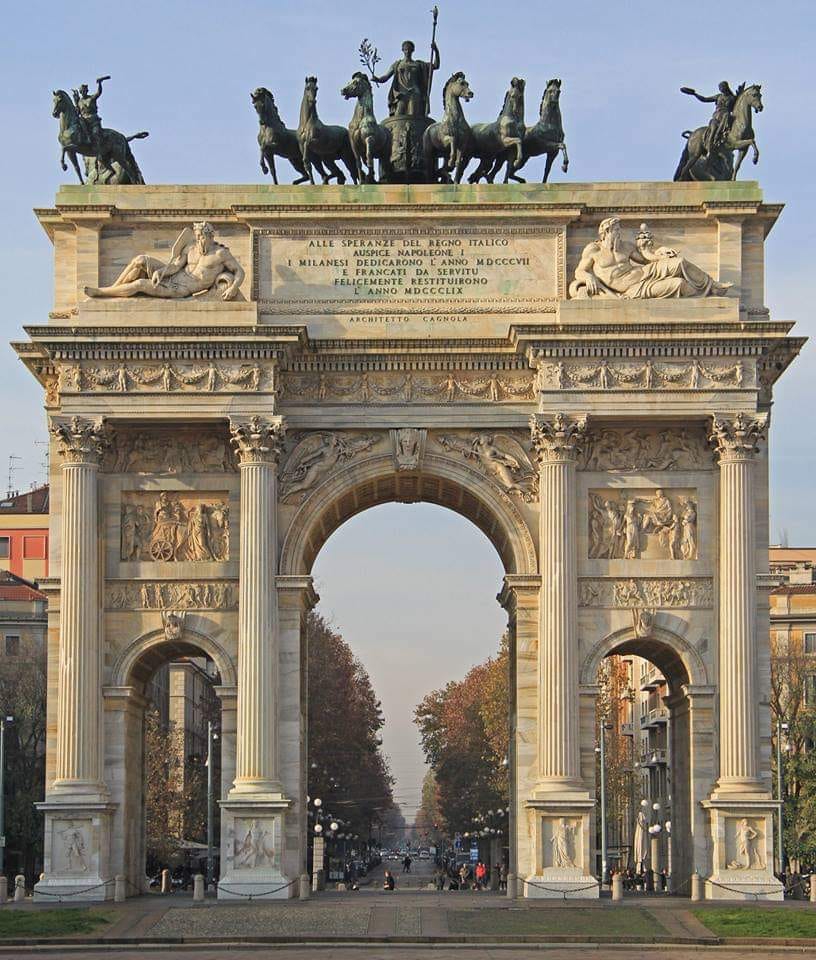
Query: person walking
point(406, 863)
point(388, 881)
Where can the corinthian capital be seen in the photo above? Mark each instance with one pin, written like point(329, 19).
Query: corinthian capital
point(737, 437)
point(80, 440)
point(258, 440)
point(557, 437)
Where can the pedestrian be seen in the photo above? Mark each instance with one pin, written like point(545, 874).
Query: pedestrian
point(502, 877)
point(406, 863)
point(463, 876)
point(388, 881)
point(481, 873)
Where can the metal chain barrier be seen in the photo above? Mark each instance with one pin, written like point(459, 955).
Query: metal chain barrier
point(59, 897)
point(253, 896)
point(564, 893)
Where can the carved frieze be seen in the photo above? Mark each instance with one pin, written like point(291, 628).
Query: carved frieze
point(314, 455)
point(255, 843)
point(380, 387)
point(631, 448)
point(169, 452)
point(639, 375)
point(171, 595)
point(647, 524)
point(501, 456)
point(172, 526)
point(166, 377)
point(646, 592)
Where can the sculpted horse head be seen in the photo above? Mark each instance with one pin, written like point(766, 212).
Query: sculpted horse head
point(265, 106)
point(310, 91)
point(456, 88)
point(62, 103)
point(550, 97)
point(358, 86)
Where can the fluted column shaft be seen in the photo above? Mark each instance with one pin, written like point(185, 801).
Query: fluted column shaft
point(79, 707)
point(736, 441)
point(256, 760)
point(556, 441)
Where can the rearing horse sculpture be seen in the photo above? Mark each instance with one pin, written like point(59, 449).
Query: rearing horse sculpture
point(719, 164)
point(115, 152)
point(451, 137)
point(501, 141)
point(370, 140)
point(275, 138)
point(318, 141)
point(547, 135)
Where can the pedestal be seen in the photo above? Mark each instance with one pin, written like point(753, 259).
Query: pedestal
point(252, 848)
point(742, 834)
point(561, 834)
point(76, 856)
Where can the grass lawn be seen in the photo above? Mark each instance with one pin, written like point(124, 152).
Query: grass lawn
point(50, 923)
point(569, 921)
point(758, 922)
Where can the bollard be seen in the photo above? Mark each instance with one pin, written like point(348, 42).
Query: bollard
point(696, 887)
point(305, 886)
point(813, 888)
point(511, 886)
point(198, 886)
point(19, 888)
point(617, 887)
point(165, 875)
point(3, 889)
point(119, 888)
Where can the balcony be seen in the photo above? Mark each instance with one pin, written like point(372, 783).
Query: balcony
point(627, 729)
point(650, 682)
point(655, 717)
point(653, 758)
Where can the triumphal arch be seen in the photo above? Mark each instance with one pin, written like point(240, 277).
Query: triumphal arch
point(584, 371)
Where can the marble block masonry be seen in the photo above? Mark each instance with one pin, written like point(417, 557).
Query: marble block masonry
point(584, 371)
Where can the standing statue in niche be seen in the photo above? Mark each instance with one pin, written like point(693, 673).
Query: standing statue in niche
point(640, 843)
point(748, 854)
point(709, 153)
point(611, 267)
point(563, 835)
point(198, 264)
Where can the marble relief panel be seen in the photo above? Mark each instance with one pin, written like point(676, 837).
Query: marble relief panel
point(205, 450)
point(642, 524)
point(174, 526)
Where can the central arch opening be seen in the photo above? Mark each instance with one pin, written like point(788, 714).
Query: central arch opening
point(412, 589)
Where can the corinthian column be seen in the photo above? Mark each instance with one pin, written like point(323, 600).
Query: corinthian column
point(735, 440)
point(79, 705)
point(556, 441)
point(258, 445)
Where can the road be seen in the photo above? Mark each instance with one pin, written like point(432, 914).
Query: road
point(420, 875)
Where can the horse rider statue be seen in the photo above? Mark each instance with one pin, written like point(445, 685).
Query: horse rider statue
point(87, 107)
point(718, 125)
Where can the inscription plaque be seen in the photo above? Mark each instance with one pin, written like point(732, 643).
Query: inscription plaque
point(414, 269)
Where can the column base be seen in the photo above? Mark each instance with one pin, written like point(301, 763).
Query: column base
point(76, 851)
point(559, 829)
point(252, 841)
point(742, 830)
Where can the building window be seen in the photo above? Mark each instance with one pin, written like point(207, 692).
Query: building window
point(12, 646)
point(810, 690)
point(5, 545)
point(810, 643)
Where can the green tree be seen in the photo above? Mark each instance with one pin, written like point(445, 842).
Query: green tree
point(347, 769)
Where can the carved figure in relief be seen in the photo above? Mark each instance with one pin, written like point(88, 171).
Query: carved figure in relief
point(562, 840)
point(688, 529)
point(315, 455)
point(173, 624)
point(631, 531)
point(500, 456)
point(197, 264)
point(130, 532)
point(408, 444)
point(748, 854)
point(659, 517)
point(642, 621)
point(254, 850)
point(169, 532)
point(606, 529)
point(198, 534)
point(75, 852)
point(611, 267)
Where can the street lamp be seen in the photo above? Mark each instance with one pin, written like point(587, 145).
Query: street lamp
point(602, 751)
point(3, 722)
point(781, 728)
point(212, 736)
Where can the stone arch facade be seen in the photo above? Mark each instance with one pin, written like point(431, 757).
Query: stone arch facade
point(154, 648)
point(612, 449)
point(357, 487)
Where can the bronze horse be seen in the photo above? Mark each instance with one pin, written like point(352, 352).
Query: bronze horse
point(318, 141)
point(501, 141)
point(275, 138)
point(370, 140)
point(117, 160)
point(719, 165)
point(451, 137)
point(547, 135)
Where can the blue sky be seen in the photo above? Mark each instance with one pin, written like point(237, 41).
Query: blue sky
point(184, 71)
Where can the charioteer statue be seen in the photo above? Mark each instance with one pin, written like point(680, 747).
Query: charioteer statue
point(409, 99)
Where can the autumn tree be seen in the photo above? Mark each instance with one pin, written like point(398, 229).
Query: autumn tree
point(428, 822)
point(464, 731)
point(23, 685)
point(347, 769)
